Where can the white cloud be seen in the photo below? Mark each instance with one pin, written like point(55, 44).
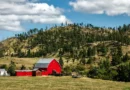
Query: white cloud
point(13, 12)
point(109, 7)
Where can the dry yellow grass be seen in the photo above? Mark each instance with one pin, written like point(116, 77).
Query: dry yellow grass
point(59, 83)
point(28, 62)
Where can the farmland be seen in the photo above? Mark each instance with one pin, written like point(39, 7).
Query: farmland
point(60, 83)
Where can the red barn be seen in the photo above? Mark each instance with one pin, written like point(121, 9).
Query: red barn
point(42, 67)
point(46, 67)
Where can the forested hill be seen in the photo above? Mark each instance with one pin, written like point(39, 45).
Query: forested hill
point(72, 40)
point(102, 52)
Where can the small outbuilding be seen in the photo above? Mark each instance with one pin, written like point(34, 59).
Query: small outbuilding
point(3, 72)
point(23, 72)
point(47, 67)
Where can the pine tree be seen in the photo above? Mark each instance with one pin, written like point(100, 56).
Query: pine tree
point(89, 52)
point(61, 61)
point(4, 66)
point(11, 69)
point(125, 58)
point(23, 67)
point(119, 51)
point(116, 60)
point(28, 53)
point(1, 53)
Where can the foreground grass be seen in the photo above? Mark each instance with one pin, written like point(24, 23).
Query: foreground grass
point(59, 83)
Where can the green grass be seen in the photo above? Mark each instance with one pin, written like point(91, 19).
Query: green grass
point(59, 83)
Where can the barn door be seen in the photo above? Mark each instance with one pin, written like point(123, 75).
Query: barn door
point(38, 73)
point(54, 72)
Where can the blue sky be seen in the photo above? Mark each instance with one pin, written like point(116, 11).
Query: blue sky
point(17, 16)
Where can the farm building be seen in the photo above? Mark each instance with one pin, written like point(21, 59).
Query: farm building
point(42, 67)
point(46, 67)
point(3, 72)
point(23, 72)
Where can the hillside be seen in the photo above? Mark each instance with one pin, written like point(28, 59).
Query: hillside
point(68, 39)
point(97, 52)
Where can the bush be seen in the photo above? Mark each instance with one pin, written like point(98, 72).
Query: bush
point(113, 74)
point(67, 70)
point(123, 72)
point(93, 72)
point(80, 67)
point(90, 60)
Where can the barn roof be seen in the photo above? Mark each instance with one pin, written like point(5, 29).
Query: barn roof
point(23, 70)
point(43, 63)
point(2, 70)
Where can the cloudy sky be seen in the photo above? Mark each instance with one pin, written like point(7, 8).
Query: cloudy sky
point(18, 16)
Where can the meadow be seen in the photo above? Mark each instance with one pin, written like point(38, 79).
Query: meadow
point(60, 83)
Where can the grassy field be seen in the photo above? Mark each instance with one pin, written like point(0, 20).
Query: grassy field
point(59, 83)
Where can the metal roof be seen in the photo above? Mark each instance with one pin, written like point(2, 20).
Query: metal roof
point(2, 70)
point(43, 63)
point(35, 69)
point(23, 70)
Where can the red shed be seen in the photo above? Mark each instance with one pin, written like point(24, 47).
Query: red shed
point(46, 67)
point(23, 72)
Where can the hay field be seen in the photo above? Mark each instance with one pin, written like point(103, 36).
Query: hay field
point(59, 83)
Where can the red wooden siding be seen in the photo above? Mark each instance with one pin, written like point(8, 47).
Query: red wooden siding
point(23, 73)
point(44, 73)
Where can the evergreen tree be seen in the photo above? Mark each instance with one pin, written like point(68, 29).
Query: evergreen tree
point(123, 72)
point(89, 52)
point(11, 69)
point(104, 50)
point(116, 60)
point(4, 66)
point(29, 53)
point(125, 58)
point(119, 51)
point(23, 67)
point(61, 61)
point(1, 52)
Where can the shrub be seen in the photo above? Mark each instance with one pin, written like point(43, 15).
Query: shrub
point(80, 67)
point(93, 72)
point(123, 72)
point(67, 70)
